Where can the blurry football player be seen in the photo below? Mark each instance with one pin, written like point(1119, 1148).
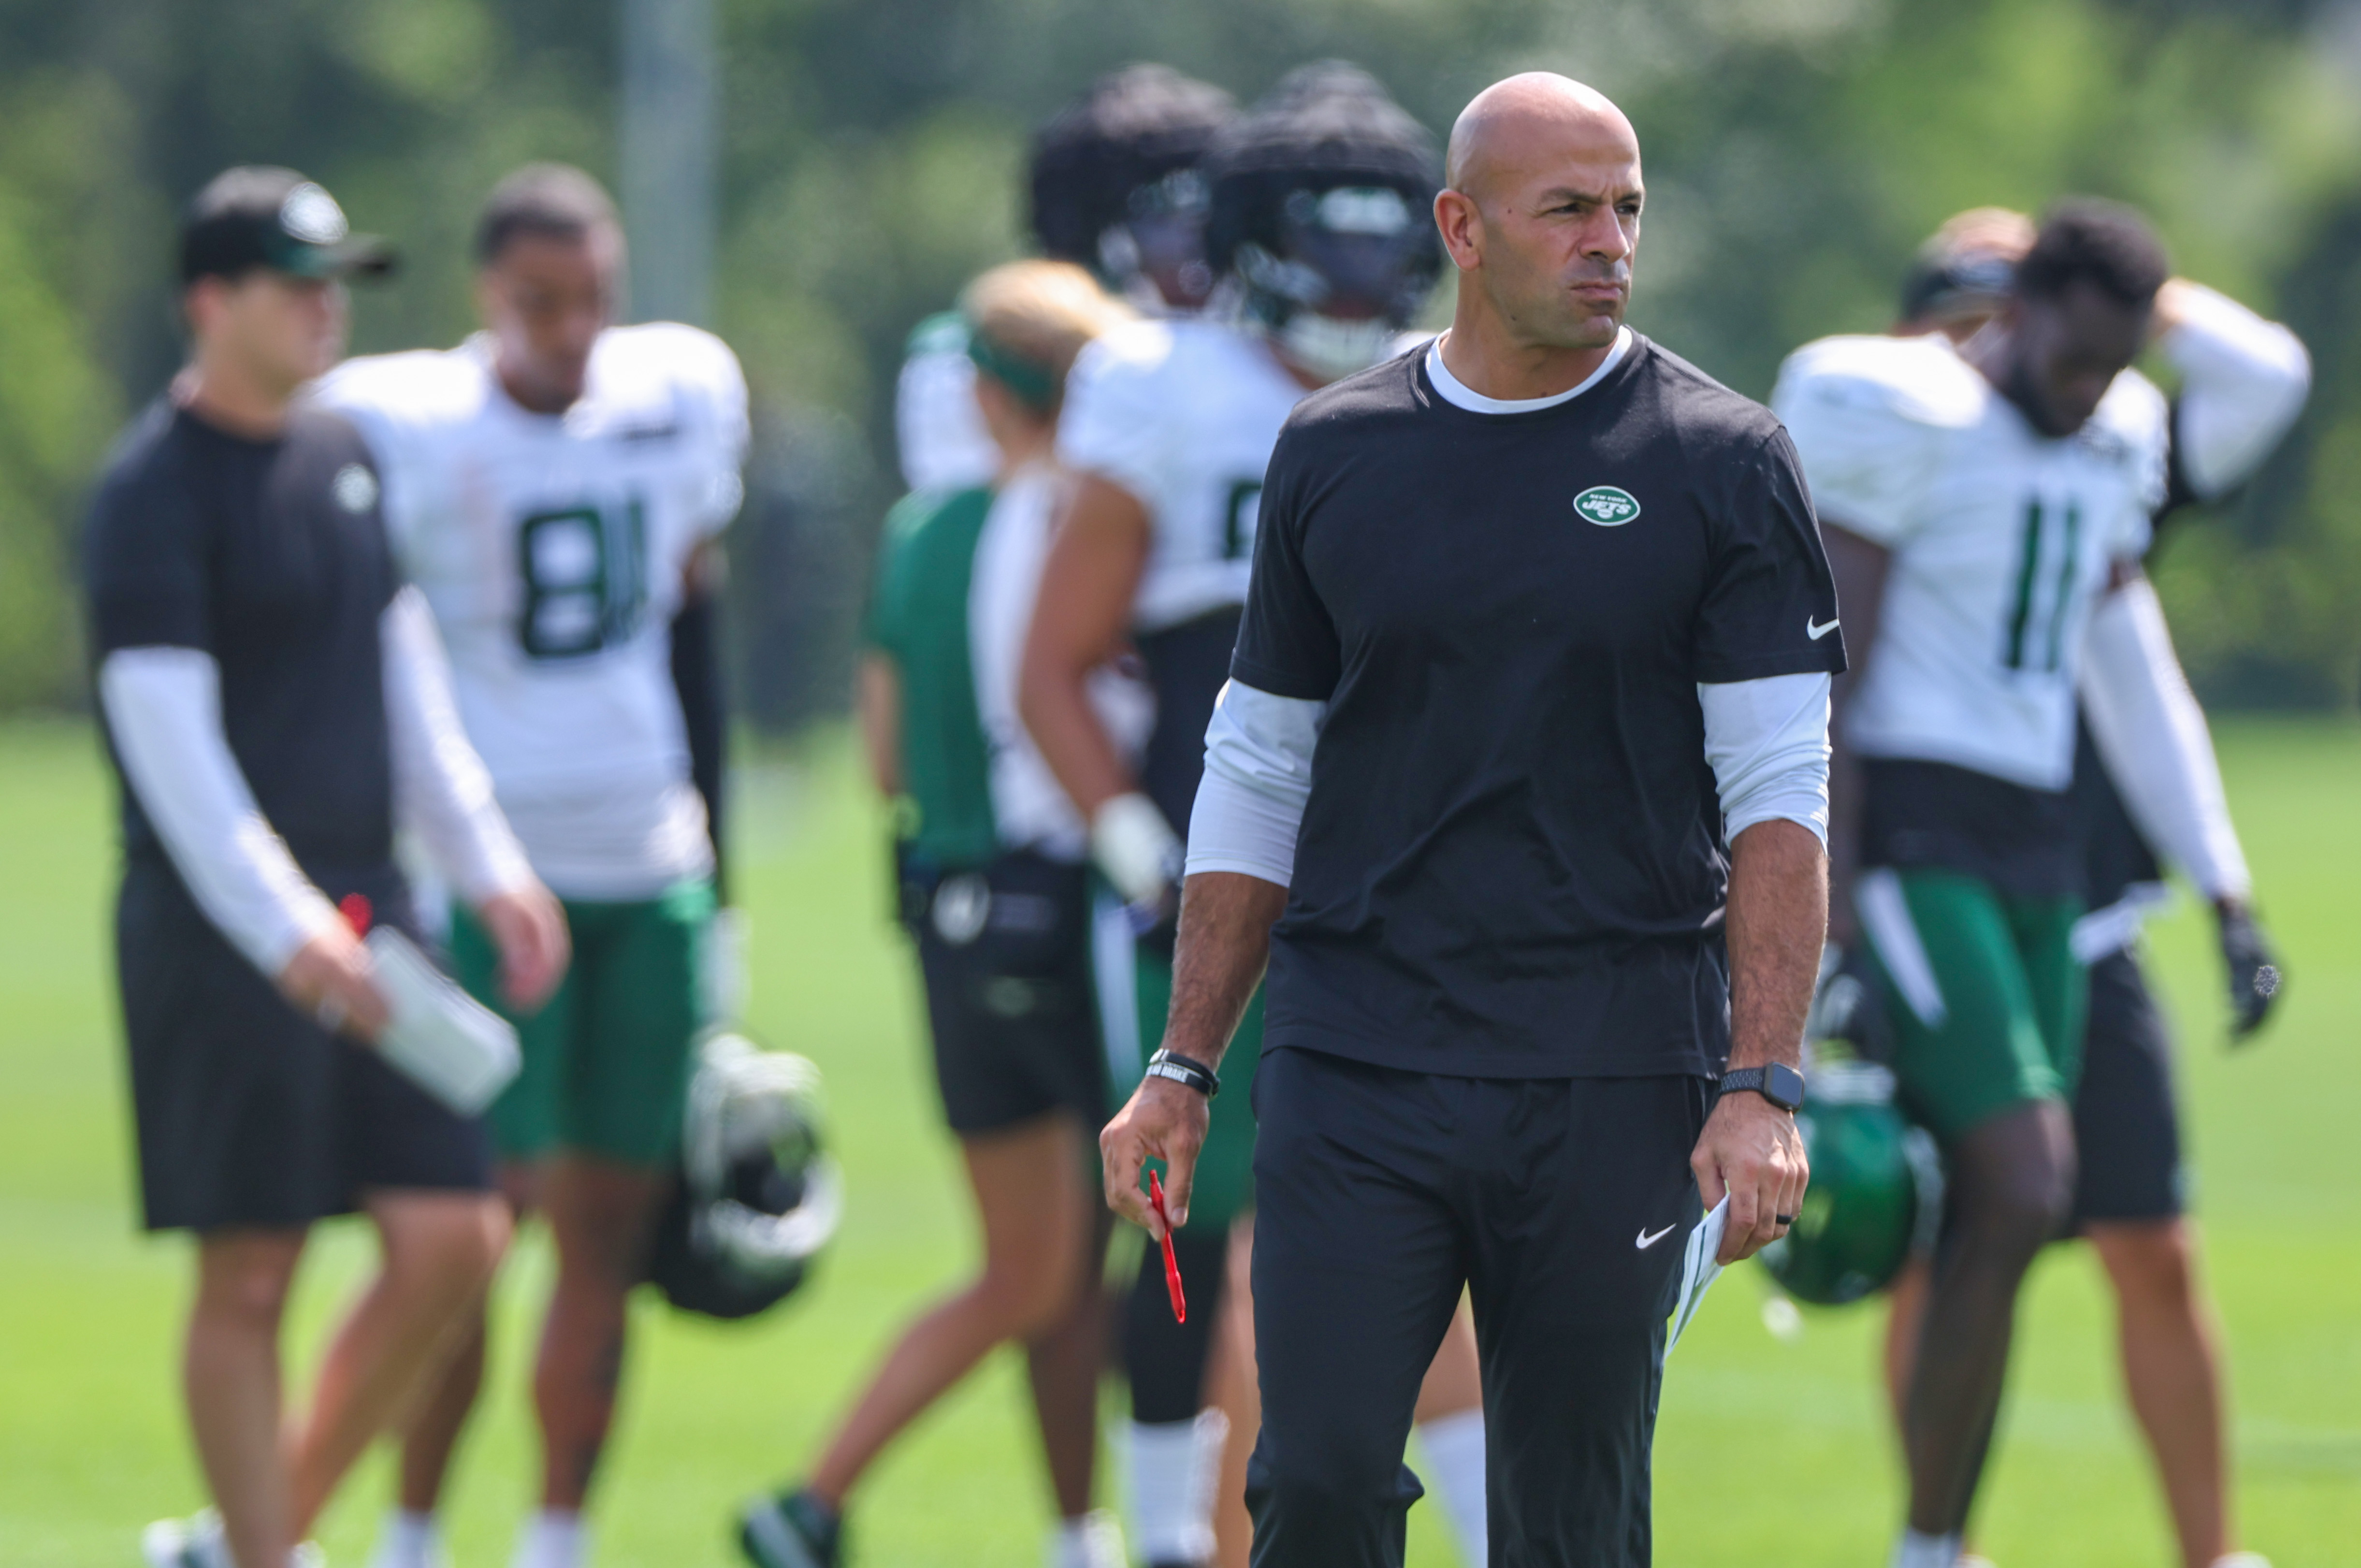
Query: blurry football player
point(1318, 224)
point(2242, 382)
point(555, 486)
point(1115, 188)
point(1986, 507)
point(995, 897)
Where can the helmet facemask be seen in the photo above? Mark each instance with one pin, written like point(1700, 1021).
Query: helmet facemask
point(1156, 256)
point(1351, 267)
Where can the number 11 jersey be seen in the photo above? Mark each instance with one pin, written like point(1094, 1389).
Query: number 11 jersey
point(2003, 541)
point(553, 549)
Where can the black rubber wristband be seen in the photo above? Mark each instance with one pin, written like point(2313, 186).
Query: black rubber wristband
point(1185, 1069)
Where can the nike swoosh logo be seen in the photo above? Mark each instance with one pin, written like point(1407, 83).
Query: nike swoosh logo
point(1814, 630)
point(1647, 1241)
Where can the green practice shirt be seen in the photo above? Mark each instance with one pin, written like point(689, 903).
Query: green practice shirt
point(918, 618)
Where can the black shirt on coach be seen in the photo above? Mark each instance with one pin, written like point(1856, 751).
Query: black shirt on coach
point(1511, 864)
point(271, 556)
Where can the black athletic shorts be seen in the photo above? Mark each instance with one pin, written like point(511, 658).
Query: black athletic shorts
point(1563, 1204)
point(249, 1113)
point(1005, 950)
point(2127, 1129)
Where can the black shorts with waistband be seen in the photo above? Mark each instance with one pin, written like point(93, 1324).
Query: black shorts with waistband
point(2127, 1128)
point(250, 1115)
point(1005, 950)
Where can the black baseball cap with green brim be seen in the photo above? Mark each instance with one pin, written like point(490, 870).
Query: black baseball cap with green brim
point(255, 216)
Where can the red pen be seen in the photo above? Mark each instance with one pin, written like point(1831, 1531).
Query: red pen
point(355, 908)
point(1172, 1263)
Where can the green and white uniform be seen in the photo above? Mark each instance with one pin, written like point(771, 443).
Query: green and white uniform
point(553, 549)
point(1182, 415)
point(994, 890)
point(2003, 541)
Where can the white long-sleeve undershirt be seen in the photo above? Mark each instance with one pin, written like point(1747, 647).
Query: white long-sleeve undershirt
point(442, 791)
point(1767, 741)
point(162, 706)
point(2151, 734)
point(2243, 380)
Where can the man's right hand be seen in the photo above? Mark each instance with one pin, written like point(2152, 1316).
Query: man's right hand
point(330, 979)
point(1163, 1120)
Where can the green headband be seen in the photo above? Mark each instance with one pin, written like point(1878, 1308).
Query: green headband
point(1035, 384)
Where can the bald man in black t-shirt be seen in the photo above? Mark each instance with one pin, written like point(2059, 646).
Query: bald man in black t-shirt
point(1519, 782)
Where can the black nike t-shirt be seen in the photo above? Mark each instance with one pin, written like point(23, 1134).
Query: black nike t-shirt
point(1511, 864)
point(271, 556)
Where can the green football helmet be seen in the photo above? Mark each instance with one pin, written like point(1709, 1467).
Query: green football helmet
point(1877, 1188)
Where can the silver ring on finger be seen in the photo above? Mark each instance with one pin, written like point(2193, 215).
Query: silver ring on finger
point(330, 1014)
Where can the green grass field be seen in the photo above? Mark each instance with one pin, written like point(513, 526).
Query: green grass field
point(1770, 1452)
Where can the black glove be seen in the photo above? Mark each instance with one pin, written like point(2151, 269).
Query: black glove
point(2253, 971)
point(1850, 1006)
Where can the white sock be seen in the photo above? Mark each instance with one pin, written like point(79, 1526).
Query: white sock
point(1917, 1550)
point(1452, 1448)
point(1175, 1466)
point(1093, 1540)
point(408, 1538)
point(552, 1538)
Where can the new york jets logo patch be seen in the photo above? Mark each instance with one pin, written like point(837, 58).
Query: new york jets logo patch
point(356, 487)
point(1607, 505)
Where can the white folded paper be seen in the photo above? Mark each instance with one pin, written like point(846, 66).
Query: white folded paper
point(1698, 1269)
point(444, 1040)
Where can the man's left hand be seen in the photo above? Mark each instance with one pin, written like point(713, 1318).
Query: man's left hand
point(529, 929)
point(2252, 966)
point(1751, 1151)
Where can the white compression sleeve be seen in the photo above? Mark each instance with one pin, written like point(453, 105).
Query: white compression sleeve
point(163, 710)
point(2243, 380)
point(1767, 740)
point(440, 788)
point(1258, 777)
point(2152, 736)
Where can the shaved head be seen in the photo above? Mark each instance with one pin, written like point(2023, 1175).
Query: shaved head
point(1541, 215)
point(1515, 121)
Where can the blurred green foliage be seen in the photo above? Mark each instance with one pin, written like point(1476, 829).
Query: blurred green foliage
point(1796, 150)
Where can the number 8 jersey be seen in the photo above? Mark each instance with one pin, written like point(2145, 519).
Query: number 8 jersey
point(2003, 540)
point(553, 549)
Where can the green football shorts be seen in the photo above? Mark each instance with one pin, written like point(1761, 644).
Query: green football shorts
point(1127, 970)
point(1986, 996)
point(606, 1059)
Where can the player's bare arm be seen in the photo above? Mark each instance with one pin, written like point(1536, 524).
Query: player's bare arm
point(1225, 943)
point(1087, 586)
point(877, 698)
point(1860, 568)
point(1777, 919)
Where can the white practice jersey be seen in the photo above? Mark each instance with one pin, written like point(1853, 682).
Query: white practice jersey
point(553, 549)
point(1028, 802)
point(1182, 414)
point(2003, 541)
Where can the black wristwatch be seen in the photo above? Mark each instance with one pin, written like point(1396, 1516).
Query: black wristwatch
point(1779, 1083)
point(1185, 1069)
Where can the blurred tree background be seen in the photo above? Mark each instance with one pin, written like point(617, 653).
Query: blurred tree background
point(1796, 150)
